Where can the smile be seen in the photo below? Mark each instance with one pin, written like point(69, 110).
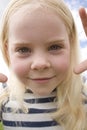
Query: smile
point(42, 80)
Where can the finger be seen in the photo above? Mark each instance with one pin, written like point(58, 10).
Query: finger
point(83, 16)
point(81, 67)
point(3, 78)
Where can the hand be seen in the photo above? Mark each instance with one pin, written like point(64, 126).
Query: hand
point(3, 78)
point(83, 15)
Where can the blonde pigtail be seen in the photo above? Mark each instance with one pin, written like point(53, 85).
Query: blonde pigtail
point(16, 95)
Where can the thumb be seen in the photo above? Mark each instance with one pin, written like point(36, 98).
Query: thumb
point(3, 78)
point(81, 67)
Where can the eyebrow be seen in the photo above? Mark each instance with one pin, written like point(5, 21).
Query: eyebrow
point(56, 41)
point(21, 43)
point(48, 42)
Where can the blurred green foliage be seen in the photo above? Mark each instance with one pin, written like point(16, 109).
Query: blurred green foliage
point(1, 126)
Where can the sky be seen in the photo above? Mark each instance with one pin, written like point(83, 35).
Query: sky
point(74, 6)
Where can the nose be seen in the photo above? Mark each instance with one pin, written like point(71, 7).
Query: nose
point(40, 63)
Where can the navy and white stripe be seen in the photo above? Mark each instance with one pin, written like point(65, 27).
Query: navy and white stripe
point(38, 116)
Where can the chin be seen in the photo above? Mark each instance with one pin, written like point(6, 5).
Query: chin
point(43, 93)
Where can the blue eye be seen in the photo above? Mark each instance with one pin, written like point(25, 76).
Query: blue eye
point(54, 47)
point(24, 50)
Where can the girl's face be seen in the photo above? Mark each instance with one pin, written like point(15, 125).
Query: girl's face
point(38, 48)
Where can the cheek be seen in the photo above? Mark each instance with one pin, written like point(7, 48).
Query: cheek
point(19, 68)
point(62, 64)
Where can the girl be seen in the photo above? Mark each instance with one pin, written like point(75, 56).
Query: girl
point(40, 46)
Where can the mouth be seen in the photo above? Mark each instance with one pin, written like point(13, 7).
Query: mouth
point(42, 79)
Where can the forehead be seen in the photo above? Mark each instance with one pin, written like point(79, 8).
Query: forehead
point(34, 20)
point(33, 11)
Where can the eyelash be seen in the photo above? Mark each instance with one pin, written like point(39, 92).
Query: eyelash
point(24, 50)
point(54, 47)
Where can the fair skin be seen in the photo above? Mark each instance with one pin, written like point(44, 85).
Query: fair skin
point(80, 68)
point(38, 43)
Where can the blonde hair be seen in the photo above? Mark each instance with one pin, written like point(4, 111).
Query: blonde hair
point(70, 113)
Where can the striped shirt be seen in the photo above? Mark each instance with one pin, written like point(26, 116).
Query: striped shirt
point(38, 116)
